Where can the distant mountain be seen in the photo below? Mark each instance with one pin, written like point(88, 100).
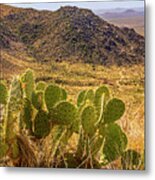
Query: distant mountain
point(68, 34)
point(121, 14)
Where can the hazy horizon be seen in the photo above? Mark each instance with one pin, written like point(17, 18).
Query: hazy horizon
point(88, 5)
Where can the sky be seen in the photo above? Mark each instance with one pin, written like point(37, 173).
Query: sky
point(89, 5)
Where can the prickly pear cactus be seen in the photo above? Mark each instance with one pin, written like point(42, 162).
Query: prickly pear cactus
point(43, 112)
point(3, 94)
point(15, 102)
point(99, 92)
point(26, 114)
point(3, 101)
point(89, 95)
point(115, 142)
point(113, 110)
point(101, 97)
point(13, 109)
point(64, 113)
point(81, 97)
point(28, 83)
point(40, 86)
point(41, 124)
point(53, 95)
point(37, 99)
point(88, 120)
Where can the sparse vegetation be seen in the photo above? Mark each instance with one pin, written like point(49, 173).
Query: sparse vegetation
point(48, 120)
point(70, 34)
point(62, 116)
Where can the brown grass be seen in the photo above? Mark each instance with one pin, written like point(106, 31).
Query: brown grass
point(126, 83)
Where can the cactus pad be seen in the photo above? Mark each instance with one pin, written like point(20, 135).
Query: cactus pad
point(115, 142)
point(3, 94)
point(88, 120)
point(27, 113)
point(53, 95)
point(40, 86)
point(37, 99)
point(64, 113)
point(101, 96)
point(98, 94)
point(41, 124)
point(80, 98)
point(14, 106)
point(28, 83)
point(89, 95)
point(114, 110)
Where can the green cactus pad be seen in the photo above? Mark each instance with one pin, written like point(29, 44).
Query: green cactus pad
point(130, 160)
point(101, 96)
point(14, 106)
point(102, 130)
point(41, 124)
point(3, 94)
point(53, 95)
point(98, 94)
point(115, 142)
point(37, 99)
point(80, 98)
point(27, 113)
point(28, 83)
point(76, 125)
point(88, 120)
point(114, 110)
point(89, 95)
point(64, 113)
point(40, 86)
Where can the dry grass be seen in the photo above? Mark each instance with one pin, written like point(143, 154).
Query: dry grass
point(126, 83)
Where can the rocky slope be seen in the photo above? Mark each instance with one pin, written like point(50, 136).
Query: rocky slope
point(69, 34)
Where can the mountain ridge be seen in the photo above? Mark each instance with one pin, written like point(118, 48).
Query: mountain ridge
point(126, 13)
point(71, 34)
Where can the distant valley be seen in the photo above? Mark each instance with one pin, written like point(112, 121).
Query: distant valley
point(132, 18)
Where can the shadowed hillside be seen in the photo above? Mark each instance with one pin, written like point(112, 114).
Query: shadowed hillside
point(70, 34)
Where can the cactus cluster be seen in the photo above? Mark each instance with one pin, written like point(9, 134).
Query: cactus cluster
point(47, 115)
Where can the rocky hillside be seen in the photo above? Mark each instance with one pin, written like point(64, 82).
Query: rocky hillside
point(68, 34)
